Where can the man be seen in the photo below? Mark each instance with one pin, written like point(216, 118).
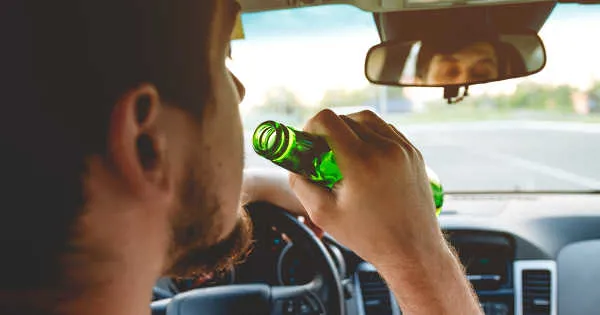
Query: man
point(444, 62)
point(122, 162)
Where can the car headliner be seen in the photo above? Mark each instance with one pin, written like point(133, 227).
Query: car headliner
point(265, 5)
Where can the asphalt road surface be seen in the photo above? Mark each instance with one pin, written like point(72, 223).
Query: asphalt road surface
point(503, 156)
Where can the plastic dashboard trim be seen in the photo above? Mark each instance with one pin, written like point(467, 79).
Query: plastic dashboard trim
point(365, 266)
point(519, 267)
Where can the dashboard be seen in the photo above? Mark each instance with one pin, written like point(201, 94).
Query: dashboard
point(488, 259)
point(525, 254)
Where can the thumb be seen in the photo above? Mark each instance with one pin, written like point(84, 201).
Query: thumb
point(316, 200)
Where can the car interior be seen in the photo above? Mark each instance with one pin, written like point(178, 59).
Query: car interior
point(519, 167)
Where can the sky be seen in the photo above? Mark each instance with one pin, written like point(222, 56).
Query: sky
point(312, 50)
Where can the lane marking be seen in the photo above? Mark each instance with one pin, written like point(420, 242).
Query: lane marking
point(590, 128)
point(541, 168)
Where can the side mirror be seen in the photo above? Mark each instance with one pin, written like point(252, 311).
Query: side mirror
point(444, 62)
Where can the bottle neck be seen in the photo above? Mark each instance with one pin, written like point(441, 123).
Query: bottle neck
point(273, 141)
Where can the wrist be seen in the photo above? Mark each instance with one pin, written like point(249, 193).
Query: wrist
point(416, 259)
point(411, 251)
point(432, 283)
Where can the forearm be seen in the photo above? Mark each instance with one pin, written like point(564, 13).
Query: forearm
point(432, 284)
point(270, 186)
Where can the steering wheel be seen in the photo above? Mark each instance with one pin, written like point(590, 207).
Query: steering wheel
point(323, 295)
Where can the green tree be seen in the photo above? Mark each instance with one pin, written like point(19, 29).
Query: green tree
point(367, 96)
point(281, 101)
point(594, 90)
point(341, 98)
point(527, 96)
point(283, 105)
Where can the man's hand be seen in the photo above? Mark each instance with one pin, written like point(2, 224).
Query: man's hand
point(383, 210)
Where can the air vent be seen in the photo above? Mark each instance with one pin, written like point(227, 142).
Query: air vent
point(536, 292)
point(535, 287)
point(375, 294)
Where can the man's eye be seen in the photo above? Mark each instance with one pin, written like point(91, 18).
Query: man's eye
point(452, 71)
point(481, 76)
point(481, 72)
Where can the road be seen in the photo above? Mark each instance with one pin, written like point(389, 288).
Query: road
point(504, 156)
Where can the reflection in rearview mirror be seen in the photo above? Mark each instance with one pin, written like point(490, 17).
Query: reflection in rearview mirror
point(444, 63)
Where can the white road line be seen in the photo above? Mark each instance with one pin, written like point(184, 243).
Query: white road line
point(540, 168)
point(590, 128)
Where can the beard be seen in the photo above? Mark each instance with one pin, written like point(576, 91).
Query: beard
point(195, 247)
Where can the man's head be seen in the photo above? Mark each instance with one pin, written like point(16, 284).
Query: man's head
point(122, 140)
point(459, 62)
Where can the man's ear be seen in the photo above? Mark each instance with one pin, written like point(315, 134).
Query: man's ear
point(135, 148)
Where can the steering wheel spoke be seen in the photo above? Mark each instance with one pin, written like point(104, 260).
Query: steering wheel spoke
point(298, 300)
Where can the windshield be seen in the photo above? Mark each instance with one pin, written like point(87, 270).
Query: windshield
point(538, 133)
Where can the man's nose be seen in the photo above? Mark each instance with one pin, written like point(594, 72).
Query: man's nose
point(240, 87)
point(464, 76)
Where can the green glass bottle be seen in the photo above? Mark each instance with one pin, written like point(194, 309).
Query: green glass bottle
point(297, 151)
point(310, 156)
point(436, 189)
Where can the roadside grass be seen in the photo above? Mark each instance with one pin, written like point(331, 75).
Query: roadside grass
point(445, 114)
point(463, 114)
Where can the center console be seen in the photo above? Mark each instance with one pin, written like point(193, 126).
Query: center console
point(488, 258)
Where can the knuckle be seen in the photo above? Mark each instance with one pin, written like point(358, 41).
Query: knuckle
point(368, 115)
point(324, 115)
point(399, 133)
point(417, 153)
point(410, 152)
point(320, 120)
point(395, 150)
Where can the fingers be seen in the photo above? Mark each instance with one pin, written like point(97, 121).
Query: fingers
point(401, 135)
point(347, 135)
point(314, 199)
point(338, 134)
point(363, 131)
point(407, 144)
point(375, 123)
point(367, 120)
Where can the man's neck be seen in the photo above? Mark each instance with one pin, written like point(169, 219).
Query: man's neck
point(127, 293)
point(118, 296)
point(120, 246)
point(117, 276)
point(123, 243)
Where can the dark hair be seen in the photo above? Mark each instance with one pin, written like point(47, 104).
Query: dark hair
point(63, 66)
point(510, 60)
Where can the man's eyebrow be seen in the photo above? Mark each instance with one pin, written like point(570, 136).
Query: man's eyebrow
point(449, 58)
point(486, 61)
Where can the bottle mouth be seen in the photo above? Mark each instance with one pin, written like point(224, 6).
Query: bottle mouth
point(269, 139)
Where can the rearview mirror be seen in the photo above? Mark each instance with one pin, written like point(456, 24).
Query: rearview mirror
point(455, 62)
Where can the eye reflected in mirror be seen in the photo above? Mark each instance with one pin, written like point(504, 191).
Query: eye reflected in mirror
point(442, 62)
